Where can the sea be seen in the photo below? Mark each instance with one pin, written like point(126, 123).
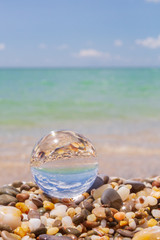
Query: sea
point(117, 108)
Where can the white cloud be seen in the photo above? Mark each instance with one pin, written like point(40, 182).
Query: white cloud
point(42, 46)
point(149, 42)
point(63, 46)
point(155, 1)
point(91, 53)
point(118, 43)
point(2, 46)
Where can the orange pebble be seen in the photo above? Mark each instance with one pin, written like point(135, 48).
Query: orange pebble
point(19, 231)
point(48, 205)
point(119, 216)
point(22, 207)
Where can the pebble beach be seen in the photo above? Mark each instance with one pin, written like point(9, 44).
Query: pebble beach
point(112, 209)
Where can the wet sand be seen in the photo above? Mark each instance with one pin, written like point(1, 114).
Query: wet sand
point(122, 156)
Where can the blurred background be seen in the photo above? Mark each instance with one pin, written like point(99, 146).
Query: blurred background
point(87, 66)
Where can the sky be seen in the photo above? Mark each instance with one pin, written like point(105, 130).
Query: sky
point(79, 33)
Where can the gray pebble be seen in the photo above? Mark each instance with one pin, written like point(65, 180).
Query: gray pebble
point(111, 198)
point(5, 227)
point(73, 231)
point(39, 231)
point(25, 187)
point(33, 214)
point(17, 184)
point(97, 183)
point(125, 233)
point(5, 199)
point(57, 223)
point(9, 190)
point(78, 218)
point(7, 236)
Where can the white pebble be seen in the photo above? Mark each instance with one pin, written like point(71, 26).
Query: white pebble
point(77, 210)
point(25, 217)
point(67, 221)
point(50, 222)
point(34, 223)
point(152, 201)
point(130, 215)
point(10, 216)
point(95, 237)
point(156, 213)
point(132, 224)
point(59, 210)
point(103, 223)
point(26, 238)
point(96, 205)
point(43, 220)
point(124, 193)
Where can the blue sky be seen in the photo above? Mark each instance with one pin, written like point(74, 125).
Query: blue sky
point(79, 33)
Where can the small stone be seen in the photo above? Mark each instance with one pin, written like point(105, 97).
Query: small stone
point(151, 233)
point(71, 212)
point(30, 205)
point(136, 185)
point(40, 230)
point(132, 224)
point(22, 207)
point(41, 210)
point(124, 193)
point(90, 225)
point(156, 213)
point(34, 224)
point(33, 214)
point(25, 187)
point(87, 205)
point(67, 221)
point(91, 217)
point(73, 231)
point(10, 216)
point(156, 184)
point(9, 190)
point(17, 184)
point(97, 183)
point(99, 212)
point(53, 230)
point(111, 198)
point(19, 231)
point(57, 223)
point(22, 196)
point(119, 216)
point(78, 218)
point(49, 237)
point(48, 205)
point(152, 201)
point(37, 202)
point(7, 236)
point(5, 199)
point(152, 222)
point(59, 210)
point(125, 233)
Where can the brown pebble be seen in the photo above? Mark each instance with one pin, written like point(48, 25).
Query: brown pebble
point(57, 223)
point(37, 202)
point(72, 236)
point(156, 184)
point(78, 218)
point(22, 197)
point(87, 205)
point(136, 185)
point(125, 233)
point(90, 225)
point(5, 227)
point(17, 184)
point(25, 187)
point(73, 231)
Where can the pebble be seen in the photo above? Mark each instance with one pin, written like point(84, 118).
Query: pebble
point(33, 214)
point(73, 231)
point(10, 216)
point(125, 233)
point(59, 210)
point(99, 212)
point(25, 187)
point(5, 227)
point(156, 213)
point(34, 224)
point(57, 223)
point(152, 201)
point(17, 184)
point(53, 230)
point(90, 225)
point(124, 193)
point(40, 230)
point(111, 198)
point(151, 233)
point(5, 199)
point(91, 218)
point(119, 216)
point(37, 202)
point(136, 185)
point(22, 207)
point(49, 237)
point(9, 190)
point(48, 205)
point(79, 218)
point(67, 221)
point(21, 197)
point(87, 205)
point(7, 236)
point(152, 222)
point(97, 193)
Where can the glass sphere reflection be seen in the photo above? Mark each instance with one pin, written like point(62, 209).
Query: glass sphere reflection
point(64, 164)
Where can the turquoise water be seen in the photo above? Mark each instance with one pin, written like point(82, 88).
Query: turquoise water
point(66, 182)
point(35, 97)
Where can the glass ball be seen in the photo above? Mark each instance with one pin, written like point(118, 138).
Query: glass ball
point(64, 164)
